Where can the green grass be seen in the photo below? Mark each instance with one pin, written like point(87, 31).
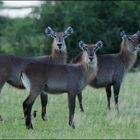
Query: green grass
point(95, 122)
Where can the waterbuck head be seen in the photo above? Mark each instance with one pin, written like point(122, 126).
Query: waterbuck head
point(131, 41)
point(90, 51)
point(59, 37)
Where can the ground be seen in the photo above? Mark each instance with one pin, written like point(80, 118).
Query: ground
point(95, 122)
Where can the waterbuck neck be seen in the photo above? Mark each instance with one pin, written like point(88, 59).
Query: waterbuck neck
point(88, 69)
point(127, 57)
point(57, 56)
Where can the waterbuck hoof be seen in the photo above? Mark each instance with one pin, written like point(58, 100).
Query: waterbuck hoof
point(45, 118)
point(117, 111)
point(82, 110)
point(72, 125)
point(1, 118)
point(30, 126)
point(108, 108)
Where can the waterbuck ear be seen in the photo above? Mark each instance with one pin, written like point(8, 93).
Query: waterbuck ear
point(122, 33)
point(49, 31)
point(68, 32)
point(138, 33)
point(99, 44)
point(138, 47)
point(82, 46)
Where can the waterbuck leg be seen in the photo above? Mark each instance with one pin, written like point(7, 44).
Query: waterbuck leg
point(1, 118)
point(27, 107)
point(44, 101)
point(71, 105)
point(2, 82)
point(108, 93)
point(80, 101)
point(27, 113)
point(28, 117)
point(116, 95)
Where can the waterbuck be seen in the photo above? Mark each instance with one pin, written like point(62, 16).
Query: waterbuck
point(112, 67)
point(39, 77)
point(12, 65)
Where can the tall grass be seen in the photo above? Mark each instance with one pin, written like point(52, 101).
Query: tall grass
point(95, 122)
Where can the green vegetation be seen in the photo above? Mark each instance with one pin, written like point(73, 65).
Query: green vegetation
point(95, 122)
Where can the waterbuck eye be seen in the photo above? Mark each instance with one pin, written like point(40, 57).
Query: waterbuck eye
point(64, 35)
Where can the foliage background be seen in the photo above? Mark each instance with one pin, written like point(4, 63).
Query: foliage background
point(91, 20)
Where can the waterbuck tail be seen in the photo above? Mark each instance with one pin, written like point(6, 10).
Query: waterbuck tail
point(25, 80)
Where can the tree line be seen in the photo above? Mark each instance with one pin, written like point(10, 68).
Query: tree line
point(91, 20)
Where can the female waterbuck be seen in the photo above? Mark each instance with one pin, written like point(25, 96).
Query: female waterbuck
point(39, 77)
point(112, 67)
point(12, 65)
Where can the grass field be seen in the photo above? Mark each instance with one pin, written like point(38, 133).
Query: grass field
point(95, 122)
